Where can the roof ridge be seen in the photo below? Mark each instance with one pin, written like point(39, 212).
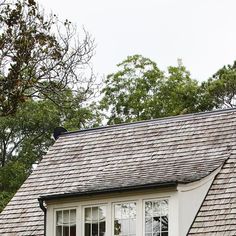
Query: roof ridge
point(161, 119)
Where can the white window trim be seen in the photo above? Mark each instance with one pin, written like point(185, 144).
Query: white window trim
point(143, 212)
point(83, 215)
point(113, 213)
point(64, 209)
point(109, 203)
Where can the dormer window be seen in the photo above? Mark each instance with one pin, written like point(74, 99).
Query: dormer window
point(144, 215)
point(156, 218)
point(95, 221)
point(66, 222)
point(125, 219)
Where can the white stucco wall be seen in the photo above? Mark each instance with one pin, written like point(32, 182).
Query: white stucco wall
point(190, 198)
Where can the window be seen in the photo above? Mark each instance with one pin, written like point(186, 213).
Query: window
point(66, 222)
point(141, 215)
point(156, 218)
point(95, 221)
point(125, 219)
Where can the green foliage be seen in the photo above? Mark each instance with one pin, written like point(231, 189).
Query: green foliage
point(179, 94)
point(130, 93)
point(26, 136)
point(140, 91)
point(5, 197)
point(40, 55)
point(220, 89)
point(40, 60)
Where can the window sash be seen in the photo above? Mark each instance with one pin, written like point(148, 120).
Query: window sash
point(155, 214)
point(95, 216)
point(65, 222)
point(124, 217)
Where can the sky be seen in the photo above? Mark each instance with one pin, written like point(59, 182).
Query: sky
point(200, 32)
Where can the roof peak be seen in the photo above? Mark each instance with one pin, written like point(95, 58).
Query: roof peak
point(161, 119)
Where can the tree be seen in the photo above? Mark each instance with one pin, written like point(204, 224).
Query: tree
point(179, 93)
point(39, 55)
point(220, 89)
point(26, 136)
point(130, 93)
point(42, 86)
point(140, 91)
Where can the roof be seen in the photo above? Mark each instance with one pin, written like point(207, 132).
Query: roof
point(217, 214)
point(180, 149)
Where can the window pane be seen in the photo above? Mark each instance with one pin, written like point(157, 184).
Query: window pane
point(124, 226)
point(164, 223)
point(148, 225)
point(148, 209)
point(132, 226)
point(156, 218)
point(164, 207)
point(72, 217)
point(125, 219)
point(102, 220)
point(124, 211)
point(164, 234)
point(156, 224)
point(87, 229)
point(73, 230)
point(156, 208)
point(132, 210)
point(95, 229)
point(59, 218)
point(66, 230)
point(66, 219)
point(58, 230)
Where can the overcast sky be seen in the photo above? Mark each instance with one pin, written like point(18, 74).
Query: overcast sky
point(200, 32)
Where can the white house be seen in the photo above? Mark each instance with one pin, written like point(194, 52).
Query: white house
point(166, 177)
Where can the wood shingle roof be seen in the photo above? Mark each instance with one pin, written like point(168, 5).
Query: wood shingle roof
point(180, 149)
point(217, 215)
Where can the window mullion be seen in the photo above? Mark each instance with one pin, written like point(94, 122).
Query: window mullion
point(98, 223)
point(139, 218)
point(69, 223)
point(152, 218)
point(91, 226)
point(62, 217)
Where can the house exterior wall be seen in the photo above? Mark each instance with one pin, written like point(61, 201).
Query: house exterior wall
point(109, 200)
point(184, 203)
point(190, 198)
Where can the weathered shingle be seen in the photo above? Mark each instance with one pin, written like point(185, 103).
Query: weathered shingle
point(217, 215)
point(181, 149)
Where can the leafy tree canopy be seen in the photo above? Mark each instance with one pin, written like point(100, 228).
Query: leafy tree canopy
point(220, 89)
point(128, 94)
point(26, 136)
point(39, 55)
point(139, 90)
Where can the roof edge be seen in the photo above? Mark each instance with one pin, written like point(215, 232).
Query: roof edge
point(165, 119)
point(110, 190)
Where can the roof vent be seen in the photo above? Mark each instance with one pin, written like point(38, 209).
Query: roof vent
point(58, 131)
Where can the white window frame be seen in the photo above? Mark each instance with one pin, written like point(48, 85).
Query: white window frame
point(80, 204)
point(113, 213)
point(64, 209)
point(143, 214)
point(83, 215)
